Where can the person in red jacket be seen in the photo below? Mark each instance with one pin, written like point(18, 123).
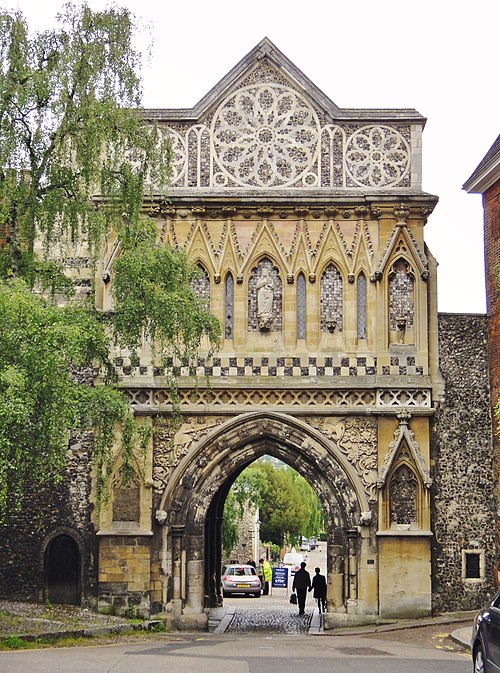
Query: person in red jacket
point(301, 584)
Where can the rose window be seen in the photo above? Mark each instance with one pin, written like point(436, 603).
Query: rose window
point(265, 136)
point(377, 156)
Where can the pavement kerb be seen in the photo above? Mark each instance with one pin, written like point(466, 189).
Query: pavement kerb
point(460, 636)
point(89, 632)
point(220, 619)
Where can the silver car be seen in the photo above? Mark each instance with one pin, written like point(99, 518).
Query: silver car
point(240, 579)
point(485, 644)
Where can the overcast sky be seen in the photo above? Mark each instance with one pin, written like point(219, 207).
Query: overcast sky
point(440, 58)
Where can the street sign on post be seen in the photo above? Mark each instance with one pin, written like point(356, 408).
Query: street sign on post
point(280, 578)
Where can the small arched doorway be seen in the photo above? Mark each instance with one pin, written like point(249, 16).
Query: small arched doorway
point(62, 570)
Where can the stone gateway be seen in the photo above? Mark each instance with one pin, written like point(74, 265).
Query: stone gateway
point(307, 223)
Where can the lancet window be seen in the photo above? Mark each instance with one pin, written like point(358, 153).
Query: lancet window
point(361, 305)
point(229, 307)
point(301, 306)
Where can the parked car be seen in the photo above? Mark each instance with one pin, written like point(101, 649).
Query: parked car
point(293, 561)
point(305, 546)
point(240, 579)
point(485, 643)
point(312, 543)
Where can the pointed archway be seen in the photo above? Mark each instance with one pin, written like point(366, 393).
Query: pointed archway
point(192, 504)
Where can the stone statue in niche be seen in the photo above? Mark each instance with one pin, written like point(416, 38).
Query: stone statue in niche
point(265, 298)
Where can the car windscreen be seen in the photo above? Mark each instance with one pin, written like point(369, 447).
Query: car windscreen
point(239, 571)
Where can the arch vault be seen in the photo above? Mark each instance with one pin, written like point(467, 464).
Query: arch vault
point(192, 506)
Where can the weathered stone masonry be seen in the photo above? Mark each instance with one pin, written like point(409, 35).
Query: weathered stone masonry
point(307, 222)
point(461, 454)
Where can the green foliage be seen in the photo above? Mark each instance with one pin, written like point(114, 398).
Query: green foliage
point(77, 159)
point(41, 398)
point(230, 525)
point(70, 124)
point(151, 288)
point(288, 506)
point(14, 643)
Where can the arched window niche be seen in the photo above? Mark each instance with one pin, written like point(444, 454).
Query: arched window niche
point(265, 298)
point(301, 306)
point(331, 301)
point(201, 286)
point(404, 481)
point(401, 302)
point(229, 306)
point(361, 306)
point(404, 510)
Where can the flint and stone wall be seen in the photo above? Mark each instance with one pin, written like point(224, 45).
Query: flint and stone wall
point(463, 504)
point(45, 513)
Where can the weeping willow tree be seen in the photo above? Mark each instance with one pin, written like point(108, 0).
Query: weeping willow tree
point(76, 162)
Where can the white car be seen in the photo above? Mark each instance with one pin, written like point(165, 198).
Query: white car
point(240, 579)
point(293, 560)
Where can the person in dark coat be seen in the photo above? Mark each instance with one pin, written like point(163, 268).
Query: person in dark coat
point(301, 584)
point(318, 587)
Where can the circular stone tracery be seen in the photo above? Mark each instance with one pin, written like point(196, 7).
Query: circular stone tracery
point(265, 136)
point(377, 156)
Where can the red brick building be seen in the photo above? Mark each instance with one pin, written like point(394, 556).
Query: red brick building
point(485, 180)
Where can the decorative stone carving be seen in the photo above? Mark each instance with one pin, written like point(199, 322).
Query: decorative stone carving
point(265, 297)
point(265, 135)
point(402, 213)
point(357, 439)
point(377, 156)
point(403, 435)
point(366, 518)
point(161, 516)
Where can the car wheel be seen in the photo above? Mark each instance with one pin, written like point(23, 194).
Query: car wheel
point(479, 660)
point(225, 594)
point(257, 595)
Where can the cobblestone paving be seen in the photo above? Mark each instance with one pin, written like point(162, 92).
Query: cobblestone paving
point(269, 619)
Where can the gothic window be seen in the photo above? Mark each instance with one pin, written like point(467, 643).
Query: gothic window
point(201, 286)
point(403, 489)
point(229, 307)
point(401, 302)
point(264, 298)
point(301, 306)
point(361, 306)
point(331, 300)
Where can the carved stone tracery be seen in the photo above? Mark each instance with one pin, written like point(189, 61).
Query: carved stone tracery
point(357, 439)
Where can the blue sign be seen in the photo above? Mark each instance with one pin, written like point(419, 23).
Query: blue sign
point(280, 578)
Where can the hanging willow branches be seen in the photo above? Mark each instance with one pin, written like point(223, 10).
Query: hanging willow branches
point(76, 162)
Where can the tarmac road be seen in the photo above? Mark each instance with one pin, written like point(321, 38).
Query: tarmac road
point(242, 654)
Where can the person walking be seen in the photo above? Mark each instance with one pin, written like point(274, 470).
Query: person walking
point(318, 587)
point(267, 574)
point(301, 584)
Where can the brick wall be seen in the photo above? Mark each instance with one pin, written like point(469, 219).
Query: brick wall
point(491, 205)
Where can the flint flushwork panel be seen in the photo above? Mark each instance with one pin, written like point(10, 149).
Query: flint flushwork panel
point(266, 134)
